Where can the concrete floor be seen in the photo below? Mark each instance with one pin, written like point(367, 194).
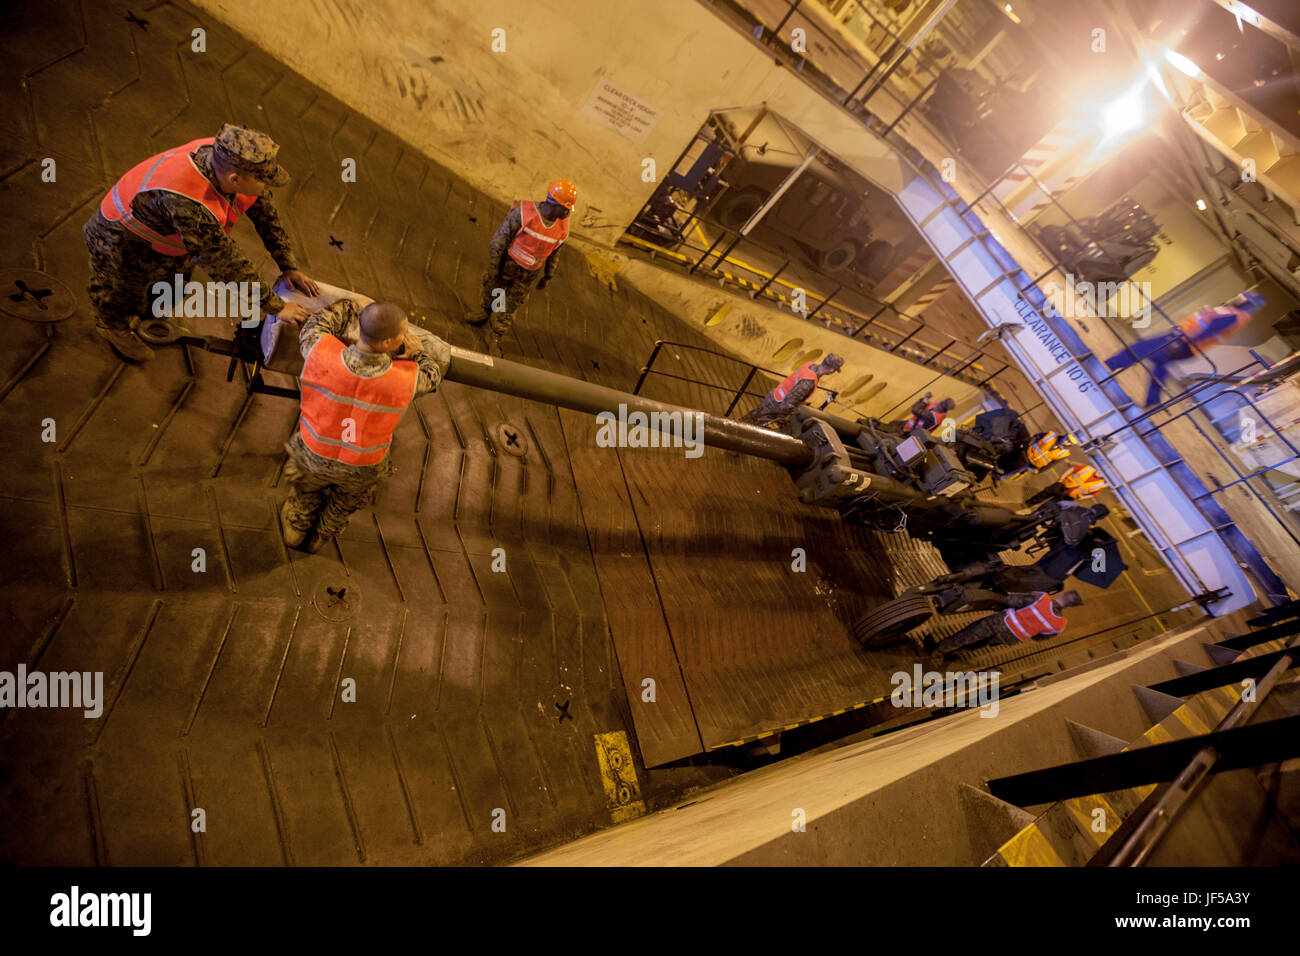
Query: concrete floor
point(481, 696)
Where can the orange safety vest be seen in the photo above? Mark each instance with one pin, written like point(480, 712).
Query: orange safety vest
point(1083, 482)
point(930, 407)
point(1038, 618)
point(536, 240)
point(802, 373)
point(1194, 325)
point(174, 172)
point(346, 417)
point(1044, 451)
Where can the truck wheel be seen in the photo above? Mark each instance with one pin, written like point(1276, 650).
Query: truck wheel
point(893, 619)
point(736, 208)
point(837, 258)
point(873, 260)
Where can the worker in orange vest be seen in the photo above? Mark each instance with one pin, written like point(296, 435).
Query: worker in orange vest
point(522, 254)
point(1048, 447)
point(1201, 329)
point(1027, 616)
point(353, 396)
point(1081, 481)
point(175, 211)
point(795, 389)
point(927, 414)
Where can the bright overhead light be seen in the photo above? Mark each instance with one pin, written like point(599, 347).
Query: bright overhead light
point(1153, 73)
point(1125, 113)
point(1200, 204)
point(1006, 8)
point(1183, 65)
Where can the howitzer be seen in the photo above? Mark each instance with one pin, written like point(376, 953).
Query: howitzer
point(869, 471)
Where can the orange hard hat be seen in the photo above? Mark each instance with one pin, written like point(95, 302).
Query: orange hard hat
point(563, 192)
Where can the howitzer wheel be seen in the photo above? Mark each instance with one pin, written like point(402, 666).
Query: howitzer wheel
point(893, 619)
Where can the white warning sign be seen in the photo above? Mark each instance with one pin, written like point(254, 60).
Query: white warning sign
point(620, 111)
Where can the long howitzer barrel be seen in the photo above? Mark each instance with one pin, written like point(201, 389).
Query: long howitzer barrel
point(514, 378)
point(823, 479)
point(826, 475)
point(524, 381)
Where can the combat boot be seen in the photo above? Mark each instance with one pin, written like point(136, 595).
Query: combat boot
point(315, 541)
point(125, 345)
point(292, 536)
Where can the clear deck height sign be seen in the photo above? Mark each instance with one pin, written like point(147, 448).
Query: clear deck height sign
point(620, 111)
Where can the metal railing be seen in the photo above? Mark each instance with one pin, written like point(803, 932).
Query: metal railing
point(859, 315)
point(1083, 361)
point(911, 113)
point(736, 393)
point(1290, 524)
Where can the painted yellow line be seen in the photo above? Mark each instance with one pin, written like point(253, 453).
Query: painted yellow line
point(1030, 848)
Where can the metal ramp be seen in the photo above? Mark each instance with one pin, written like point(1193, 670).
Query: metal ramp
point(1193, 533)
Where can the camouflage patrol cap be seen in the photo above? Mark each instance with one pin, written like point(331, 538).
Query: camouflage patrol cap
point(251, 151)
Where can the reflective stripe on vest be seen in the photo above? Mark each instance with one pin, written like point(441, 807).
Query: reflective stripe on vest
point(535, 240)
point(1083, 481)
point(1040, 452)
point(800, 374)
point(1038, 618)
point(173, 171)
point(332, 394)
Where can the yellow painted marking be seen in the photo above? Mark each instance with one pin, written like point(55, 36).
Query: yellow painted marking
point(1158, 735)
point(1190, 720)
point(618, 776)
point(1143, 791)
point(1030, 848)
point(603, 269)
point(719, 315)
point(1082, 809)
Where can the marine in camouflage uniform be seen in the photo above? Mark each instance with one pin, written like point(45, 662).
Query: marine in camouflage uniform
point(325, 492)
point(994, 630)
point(772, 409)
point(506, 274)
point(124, 266)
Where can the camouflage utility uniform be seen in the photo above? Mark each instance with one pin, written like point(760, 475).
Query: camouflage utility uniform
point(327, 492)
point(504, 273)
point(987, 630)
point(771, 409)
point(124, 266)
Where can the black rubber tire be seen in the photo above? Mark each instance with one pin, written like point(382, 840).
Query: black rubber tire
point(837, 258)
point(873, 261)
point(891, 621)
point(735, 209)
